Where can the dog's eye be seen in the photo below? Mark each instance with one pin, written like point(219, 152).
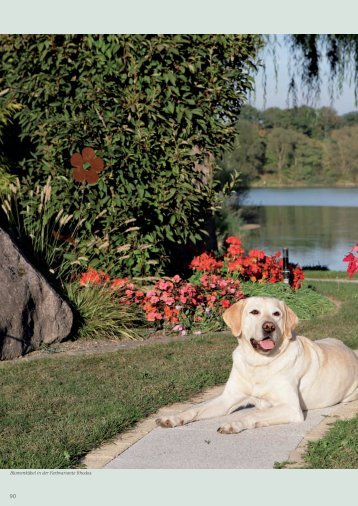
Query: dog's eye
point(255, 311)
point(276, 313)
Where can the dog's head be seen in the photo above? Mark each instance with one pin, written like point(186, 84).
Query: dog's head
point(262, 321)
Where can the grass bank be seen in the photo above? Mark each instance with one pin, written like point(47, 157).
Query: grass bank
point(338, 449)
point(339, 275)
point(54, 410)
point(341, 323)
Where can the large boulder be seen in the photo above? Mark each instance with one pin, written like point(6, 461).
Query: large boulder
point(31, 312)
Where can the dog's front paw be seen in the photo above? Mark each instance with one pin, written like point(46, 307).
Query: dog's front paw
point(169, 421)
point(231, 428)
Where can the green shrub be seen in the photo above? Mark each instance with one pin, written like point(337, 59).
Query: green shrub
point(48, 233)
point(100, 315)
point(306, 302)
point(156, 109)
point(7, 110)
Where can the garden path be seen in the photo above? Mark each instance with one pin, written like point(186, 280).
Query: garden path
point(199, 446)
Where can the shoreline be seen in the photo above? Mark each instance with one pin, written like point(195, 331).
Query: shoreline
point(303, 186)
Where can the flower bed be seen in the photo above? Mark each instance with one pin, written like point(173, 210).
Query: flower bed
point(174, 303)
point(197, 304)
point(255, 266)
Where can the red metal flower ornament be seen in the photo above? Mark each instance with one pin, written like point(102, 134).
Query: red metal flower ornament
point(86, 166)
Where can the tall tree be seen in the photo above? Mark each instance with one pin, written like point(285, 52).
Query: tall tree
point(344, 152)
point(308, 51)
point(280, 151)
point(248, 153)
point(155, 108)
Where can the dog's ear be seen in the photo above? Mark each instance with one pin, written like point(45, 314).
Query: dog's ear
point(291, 321)
point(233, 316)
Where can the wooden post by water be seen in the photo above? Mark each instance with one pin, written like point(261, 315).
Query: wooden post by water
point(286, 270)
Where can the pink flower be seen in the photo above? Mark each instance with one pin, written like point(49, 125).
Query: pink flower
point(177, 328)
point(168, 300)
point(152, 316)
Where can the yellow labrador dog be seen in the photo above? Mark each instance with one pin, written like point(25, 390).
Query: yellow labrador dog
point(279, 372)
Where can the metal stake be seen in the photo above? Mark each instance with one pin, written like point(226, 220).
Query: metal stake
point(286, 270)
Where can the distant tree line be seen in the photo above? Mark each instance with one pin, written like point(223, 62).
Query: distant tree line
point(298, 146)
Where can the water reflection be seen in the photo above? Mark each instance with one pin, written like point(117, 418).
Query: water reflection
point(331, 197)
point(315, 234)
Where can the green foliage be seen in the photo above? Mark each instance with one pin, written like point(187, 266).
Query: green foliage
point(298, 146)
point(248, 152)
point(306, 302)
point(40, 229)
point(7, 110)
point(343, 151)
point(229, 220)
point(308, 51)
point(100, 315)
point(311, 122)
point(156, 108)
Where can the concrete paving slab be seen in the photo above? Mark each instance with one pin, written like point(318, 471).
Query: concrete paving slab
point(199, 446)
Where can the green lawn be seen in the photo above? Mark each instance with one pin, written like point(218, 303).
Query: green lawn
point(327, 274)
point(341, 323)
point(338, 449)
point(55, 410)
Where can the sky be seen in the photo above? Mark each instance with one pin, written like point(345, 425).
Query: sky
point(276, 92)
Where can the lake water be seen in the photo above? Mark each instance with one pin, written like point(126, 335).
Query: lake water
point(318, 225)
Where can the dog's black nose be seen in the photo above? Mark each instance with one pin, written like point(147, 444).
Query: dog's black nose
point(268, 326)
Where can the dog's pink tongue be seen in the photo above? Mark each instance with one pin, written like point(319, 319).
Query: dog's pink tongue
point(267, 344)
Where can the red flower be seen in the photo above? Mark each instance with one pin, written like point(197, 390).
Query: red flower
point(235, 249)
point(256, 253)
point(233, 240)
point(205, 263)
point(119, 282)
point(93, 276)
point(352, 260)
point(86, 166)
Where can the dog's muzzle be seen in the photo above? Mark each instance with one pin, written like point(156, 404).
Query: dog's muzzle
point(266, 343)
